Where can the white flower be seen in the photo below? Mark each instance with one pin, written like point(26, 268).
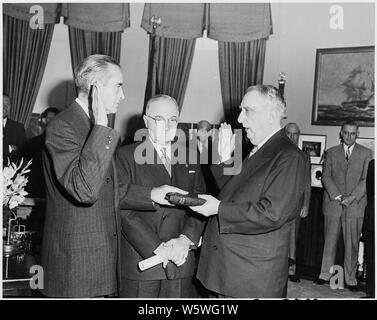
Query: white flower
point(14, 182)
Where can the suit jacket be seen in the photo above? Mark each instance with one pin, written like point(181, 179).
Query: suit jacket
point(14, 136)
point(245, 246)
point(80, 251)
point(347, 178)
point(144, 225)
point(368, 223)
point(308, 184)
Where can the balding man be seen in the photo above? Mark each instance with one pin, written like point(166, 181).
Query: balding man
point(292, 130)
point(149, 228)
point(245, 244)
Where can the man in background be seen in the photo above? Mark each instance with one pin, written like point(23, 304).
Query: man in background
point(344, 175)
point(14, 136)
point(245, 244)
point(293, 132)
point(148, 227)
point(36, 186)
point(206, 147)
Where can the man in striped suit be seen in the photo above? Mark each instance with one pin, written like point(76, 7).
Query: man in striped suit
point(80, 250)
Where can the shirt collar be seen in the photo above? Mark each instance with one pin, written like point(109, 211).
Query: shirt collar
point(83, 106)
point(345, 147)
point(4, 122)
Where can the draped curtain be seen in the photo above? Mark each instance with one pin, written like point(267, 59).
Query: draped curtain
point(171, 47)
point(25, 52)
point(241, 65)
point(242, 31)
point(169, 67)
point(101, 35)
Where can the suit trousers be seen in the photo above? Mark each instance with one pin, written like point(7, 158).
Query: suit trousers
point(175, 288)
point(369, 259)
point(293, 235)
point(351, 228)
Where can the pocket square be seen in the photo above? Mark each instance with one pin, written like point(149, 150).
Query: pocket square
point(192, 171)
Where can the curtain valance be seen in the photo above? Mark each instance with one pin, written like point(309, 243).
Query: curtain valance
point(239, 22)
point(21, 11)
point(231, 22)
point(98, 17)
point(178, 20)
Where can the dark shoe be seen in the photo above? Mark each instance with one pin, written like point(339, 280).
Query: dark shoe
point(353, 288)
point(294, 278)
point(320, 281)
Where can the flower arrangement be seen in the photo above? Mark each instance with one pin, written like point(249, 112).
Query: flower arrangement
point(14, 182)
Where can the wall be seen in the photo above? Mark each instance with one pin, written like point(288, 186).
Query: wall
point(299, 29)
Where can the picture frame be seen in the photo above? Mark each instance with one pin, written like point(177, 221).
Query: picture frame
point(316, 175)
point(366, 142)
point(314, 145)
point(344, 86)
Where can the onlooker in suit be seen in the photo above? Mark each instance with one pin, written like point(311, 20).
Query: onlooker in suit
point(147, 227)
point(14, 136)
point(293, 132)
point(245, 245)
point(205, 147)
point(36, 186)
point(80, 240)
point(344, 173)
point(368, 231)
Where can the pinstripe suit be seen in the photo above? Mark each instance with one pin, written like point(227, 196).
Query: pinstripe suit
point(80, 248)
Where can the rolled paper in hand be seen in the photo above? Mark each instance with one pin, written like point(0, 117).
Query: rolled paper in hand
point(150, 262)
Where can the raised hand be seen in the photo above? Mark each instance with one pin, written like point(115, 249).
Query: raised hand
point(226, 143)
point(158, 194)
point(99, 111)
point(210, 208)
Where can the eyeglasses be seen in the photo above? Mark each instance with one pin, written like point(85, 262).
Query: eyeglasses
point(159, 120)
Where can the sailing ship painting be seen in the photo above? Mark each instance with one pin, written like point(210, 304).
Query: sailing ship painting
point(344, 86)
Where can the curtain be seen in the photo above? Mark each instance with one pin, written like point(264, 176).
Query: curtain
point(96, 29)
point(25, 52)
point(169, 67)
point(241, 65)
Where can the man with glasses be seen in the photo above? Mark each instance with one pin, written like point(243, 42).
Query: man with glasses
point(156, 227)
point(344, 175)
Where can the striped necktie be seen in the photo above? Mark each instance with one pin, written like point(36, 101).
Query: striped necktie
point(165, 160)
point(348, 153)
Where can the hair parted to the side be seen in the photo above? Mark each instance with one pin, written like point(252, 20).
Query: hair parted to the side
point(89, 67)
point(273, 96)
point(350, 122)
point(160, 97)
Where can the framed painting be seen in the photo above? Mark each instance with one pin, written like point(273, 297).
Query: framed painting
point(314, 145)
point(344, 86)
point(366, 142)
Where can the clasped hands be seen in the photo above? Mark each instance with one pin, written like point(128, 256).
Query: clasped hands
point(175, 250)
point(346, 200)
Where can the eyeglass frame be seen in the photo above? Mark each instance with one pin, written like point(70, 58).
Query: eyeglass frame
point(156, 120)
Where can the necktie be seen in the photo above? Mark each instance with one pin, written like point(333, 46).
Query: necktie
point(255, 149)
point(165, 160)
point(348, 153)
